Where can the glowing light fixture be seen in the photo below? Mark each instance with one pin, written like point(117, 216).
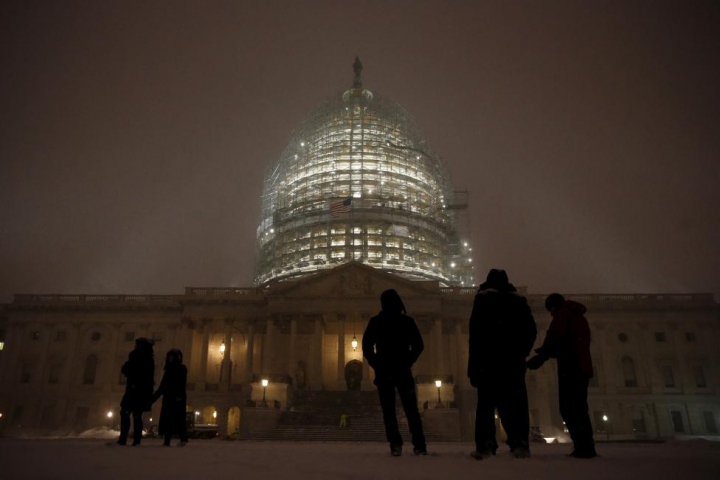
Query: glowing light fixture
point(438, 384)
point(222, 347)
point(264, 382)
point(215, 414)
point(605, 418)
point(109, 414)
point(354, 343)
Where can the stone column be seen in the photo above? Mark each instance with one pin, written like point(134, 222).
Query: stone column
point(292, 363)
point(438, 341)
point(110, 377)
point(185, 340)
point(202, 378)
point(316, 367)
point(460, 347)
point(69, 381)
point(248, 376)
point(341, 353)
point(685, 377)
point(267, 352)
point(608, 360)
point(13, 347)
point(38, 379)
point(226, 368)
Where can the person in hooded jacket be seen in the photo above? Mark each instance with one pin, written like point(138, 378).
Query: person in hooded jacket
point(392, 344)
point(502, 333)
point(140, 372)
point(172, 389)
point(568, 340)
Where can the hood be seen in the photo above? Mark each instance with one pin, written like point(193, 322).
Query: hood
point(497, 280)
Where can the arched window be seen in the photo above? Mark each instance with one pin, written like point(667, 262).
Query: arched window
point(90, 369)
point(628, 369)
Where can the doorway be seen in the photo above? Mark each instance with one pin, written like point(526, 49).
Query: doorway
point(353, 374)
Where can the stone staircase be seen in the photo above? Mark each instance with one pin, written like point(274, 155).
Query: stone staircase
point(315, 416)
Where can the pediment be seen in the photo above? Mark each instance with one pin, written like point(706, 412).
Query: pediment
point(352, 279)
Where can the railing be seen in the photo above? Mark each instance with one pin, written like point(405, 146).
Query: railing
point(96, 299)
point(458, 290)
point(216, 292)
point(643, 298)
point(595, 298)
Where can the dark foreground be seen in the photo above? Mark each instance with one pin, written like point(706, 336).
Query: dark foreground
point(93, 459)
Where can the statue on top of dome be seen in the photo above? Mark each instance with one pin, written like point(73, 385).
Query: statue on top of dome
point(357, 68)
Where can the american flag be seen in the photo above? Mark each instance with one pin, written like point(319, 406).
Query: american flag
point(338, 208)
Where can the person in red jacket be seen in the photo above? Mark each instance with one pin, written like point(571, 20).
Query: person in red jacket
point(568, 340)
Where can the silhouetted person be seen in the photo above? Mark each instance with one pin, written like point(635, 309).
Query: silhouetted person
point(172, 389)
point(502, 333)
point(140, 371)
point(568, 340)
point(392, 344)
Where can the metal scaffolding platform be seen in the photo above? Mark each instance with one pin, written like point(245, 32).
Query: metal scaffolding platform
point(358, 181)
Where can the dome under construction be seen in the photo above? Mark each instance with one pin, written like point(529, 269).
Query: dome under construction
point(359, 182)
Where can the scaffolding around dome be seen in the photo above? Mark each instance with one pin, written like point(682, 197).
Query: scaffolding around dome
point(359, 182)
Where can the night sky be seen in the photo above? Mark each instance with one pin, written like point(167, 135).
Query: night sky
point(134, 135)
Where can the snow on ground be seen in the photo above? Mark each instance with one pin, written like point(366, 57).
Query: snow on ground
point(94, 459)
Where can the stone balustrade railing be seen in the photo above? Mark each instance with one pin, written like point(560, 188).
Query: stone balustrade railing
point(592, 299)
point(595, 298)
point(64, 299)
point(214, 292)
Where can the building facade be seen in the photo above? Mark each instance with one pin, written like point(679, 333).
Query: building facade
point(656, 357)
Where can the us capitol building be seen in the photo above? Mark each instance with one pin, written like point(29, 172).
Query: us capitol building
point(356, 204)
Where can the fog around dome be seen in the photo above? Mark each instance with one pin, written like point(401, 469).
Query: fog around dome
point(395, 208)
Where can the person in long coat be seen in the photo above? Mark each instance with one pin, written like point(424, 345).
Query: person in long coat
point(502, 334)
point(568, 340)
point(173, 390)
point(140, 372)
point(392, 344)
